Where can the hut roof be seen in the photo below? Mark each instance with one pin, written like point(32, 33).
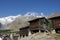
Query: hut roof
point(54, 15)
point(38, 18)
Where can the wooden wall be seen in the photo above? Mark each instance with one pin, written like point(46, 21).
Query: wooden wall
point(34, 25)
point(39, 25)
point(56, 22)
point(24, 32)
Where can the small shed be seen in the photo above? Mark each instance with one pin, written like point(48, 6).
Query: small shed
point(56, 21)
point(24, 31)
point(38, 24)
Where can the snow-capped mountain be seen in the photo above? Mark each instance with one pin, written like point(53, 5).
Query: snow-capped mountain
point(9, 19)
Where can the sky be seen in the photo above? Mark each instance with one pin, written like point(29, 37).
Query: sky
point(15, 7)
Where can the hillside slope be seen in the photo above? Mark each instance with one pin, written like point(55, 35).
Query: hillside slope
point(40, 36)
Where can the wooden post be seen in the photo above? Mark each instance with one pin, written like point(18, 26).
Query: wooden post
point(39, 25)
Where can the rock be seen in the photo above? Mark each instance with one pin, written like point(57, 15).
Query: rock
point(53, 32)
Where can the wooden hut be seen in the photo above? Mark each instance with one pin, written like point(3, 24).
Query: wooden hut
point(56, 21)
point(38, 24)
point(24, 31)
